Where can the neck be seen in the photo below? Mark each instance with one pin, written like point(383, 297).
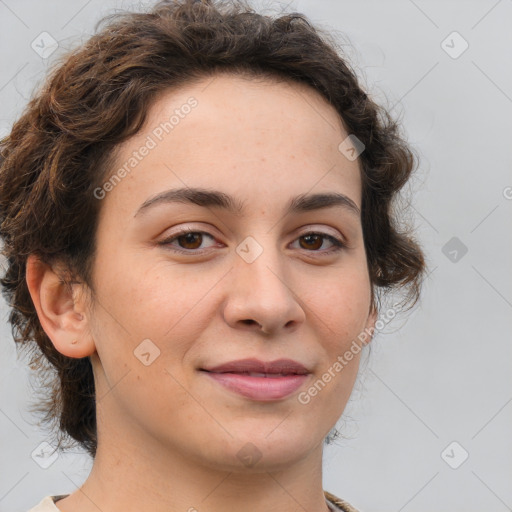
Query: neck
point(136, 475)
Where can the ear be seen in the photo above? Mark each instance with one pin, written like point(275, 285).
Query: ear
point(60, 308)
point(370, 322)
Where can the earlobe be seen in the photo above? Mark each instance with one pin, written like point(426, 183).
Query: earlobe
point(61, 316)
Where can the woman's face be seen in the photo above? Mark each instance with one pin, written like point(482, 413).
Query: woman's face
point(265, 282)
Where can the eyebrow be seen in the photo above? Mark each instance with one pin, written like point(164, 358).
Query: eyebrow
point(216, 199)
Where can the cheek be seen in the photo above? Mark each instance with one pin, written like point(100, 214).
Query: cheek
point(341, 304)
point(163, 302)
point(138, 296)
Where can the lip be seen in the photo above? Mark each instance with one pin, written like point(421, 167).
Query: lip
point(279, 366)
point(260, 380)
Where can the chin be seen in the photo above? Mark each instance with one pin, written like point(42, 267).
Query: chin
point(260, 449)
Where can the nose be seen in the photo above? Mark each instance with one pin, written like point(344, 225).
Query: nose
point(260, 296)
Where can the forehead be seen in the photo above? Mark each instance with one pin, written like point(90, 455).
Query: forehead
point(253, 138)
point(232, 108)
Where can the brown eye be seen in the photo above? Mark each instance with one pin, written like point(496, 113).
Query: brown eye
point(312, 241)
point(190, 240)
point(187, 241)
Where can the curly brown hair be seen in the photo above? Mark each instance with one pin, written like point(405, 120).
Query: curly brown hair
point(98, 95)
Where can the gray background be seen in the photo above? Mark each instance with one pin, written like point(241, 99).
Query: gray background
point(437, 376)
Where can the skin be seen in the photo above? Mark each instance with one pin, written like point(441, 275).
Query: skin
point(168, 434)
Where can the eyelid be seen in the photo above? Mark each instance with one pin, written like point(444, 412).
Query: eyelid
point(177, 231)
point(321, 229)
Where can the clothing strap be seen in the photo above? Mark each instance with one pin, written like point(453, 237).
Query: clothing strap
point(345, 506)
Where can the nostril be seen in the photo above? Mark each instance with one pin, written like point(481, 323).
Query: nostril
point(250, 322)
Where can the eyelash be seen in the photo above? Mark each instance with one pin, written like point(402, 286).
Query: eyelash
point(338, 244)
